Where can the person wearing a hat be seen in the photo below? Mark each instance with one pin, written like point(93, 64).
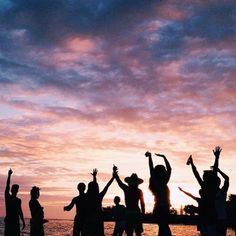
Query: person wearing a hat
point(133, 196)
point(37, 215)
point(159, 178)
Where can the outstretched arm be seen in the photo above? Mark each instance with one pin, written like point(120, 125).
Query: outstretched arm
point(188, 194)
point(194, 169)
point(70, 206)
point(168, 167)
point(150, 162)
point(104, 191)
point(7, 189)
point(226, 182)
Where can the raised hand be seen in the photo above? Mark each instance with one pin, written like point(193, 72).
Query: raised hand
point(217, 151)
point(180, 189)
point(115, 171)
point(94, 173)
point(115, 168)
point(148, 154)
point(10, 172)
point(190, 160)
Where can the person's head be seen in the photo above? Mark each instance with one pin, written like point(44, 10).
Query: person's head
point(160, 172)
point(14, 189)
point(81, 187)
point(133, 180)
point(34, 192)
point(93, 188)
point(207, 176)
point(117, 200)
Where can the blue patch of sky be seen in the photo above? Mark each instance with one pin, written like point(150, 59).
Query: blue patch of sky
point(215, 62)
point(5, 5)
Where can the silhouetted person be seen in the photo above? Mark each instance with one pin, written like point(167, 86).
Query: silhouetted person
point(80, 203)
point(94, 217)
point(220, 204)
point(198, 200)
point(13, 209)
point(133, 196)
point(208, 195)
point(232, 212)
point(119, 214)
point(37, 215)
point(159, 178)
point(221, 195)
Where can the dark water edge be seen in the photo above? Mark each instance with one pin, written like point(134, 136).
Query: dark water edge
point(64, 228)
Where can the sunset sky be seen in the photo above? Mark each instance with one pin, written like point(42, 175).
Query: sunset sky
point(90, 83)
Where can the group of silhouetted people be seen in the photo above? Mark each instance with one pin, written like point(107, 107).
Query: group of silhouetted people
point(88, 220)
point(14, 211)
point(212, 200)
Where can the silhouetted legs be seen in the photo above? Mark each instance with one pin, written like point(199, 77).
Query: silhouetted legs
point(164, 230)
point(134, 224)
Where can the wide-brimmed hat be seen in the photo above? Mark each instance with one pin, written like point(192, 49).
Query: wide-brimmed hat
point(133, 180)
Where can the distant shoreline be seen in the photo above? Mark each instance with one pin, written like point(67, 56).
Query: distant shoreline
point(148, 219)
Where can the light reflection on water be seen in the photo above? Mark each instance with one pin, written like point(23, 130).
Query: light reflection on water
point(64, 228)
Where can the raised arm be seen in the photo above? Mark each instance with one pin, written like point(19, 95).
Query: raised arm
point(188, 194)
point(168, 167)
point(194, 169)
point(216, 153)
point(226, 182)
point(94, 174)
point(118, 180)
point(70, 206)
point(150, 162)
point(104, 191)
point(7, 189)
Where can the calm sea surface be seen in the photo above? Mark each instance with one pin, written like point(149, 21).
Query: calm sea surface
point(64, 228)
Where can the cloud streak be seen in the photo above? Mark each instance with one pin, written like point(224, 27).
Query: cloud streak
point(88, 84)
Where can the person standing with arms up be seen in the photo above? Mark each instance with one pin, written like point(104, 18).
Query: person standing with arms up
point(94, 214)
point(133, 196)
point(159, 178)
point(13, 209)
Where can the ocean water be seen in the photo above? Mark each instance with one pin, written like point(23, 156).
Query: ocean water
point(64, 228)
